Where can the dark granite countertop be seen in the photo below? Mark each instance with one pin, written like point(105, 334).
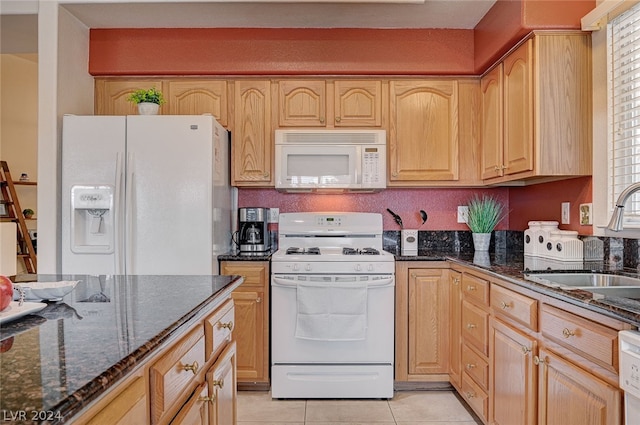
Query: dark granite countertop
point(55, 361)
point(247, 256)
point(512, 267)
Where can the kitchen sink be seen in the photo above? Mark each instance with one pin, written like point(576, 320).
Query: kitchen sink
point(584, 280)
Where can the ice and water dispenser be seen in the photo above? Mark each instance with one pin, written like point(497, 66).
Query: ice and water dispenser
point(92, 219)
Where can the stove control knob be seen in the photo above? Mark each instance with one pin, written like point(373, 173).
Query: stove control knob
point(358, 267)
point(308, 267)
point(295, 267)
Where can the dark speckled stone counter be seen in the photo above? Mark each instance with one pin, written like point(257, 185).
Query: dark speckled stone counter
point(59, 359)
point(512, 267)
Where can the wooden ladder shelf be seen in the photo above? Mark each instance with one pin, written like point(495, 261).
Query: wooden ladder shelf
point(14, 213)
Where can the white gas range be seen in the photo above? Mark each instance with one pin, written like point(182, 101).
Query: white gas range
point(332, 308)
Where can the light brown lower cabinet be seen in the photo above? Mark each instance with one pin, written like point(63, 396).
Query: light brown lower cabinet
point(191, 380)
point(569, 395)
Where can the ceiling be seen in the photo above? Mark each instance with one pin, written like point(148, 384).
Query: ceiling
point(18, 31)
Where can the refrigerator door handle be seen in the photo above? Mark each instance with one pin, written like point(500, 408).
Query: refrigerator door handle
point(129, 214)
point(118, 217)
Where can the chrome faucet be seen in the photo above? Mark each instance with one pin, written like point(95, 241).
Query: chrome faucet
point(616, 222)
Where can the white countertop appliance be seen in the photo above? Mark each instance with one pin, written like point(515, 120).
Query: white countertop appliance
point(332, 307)
point(144, 194)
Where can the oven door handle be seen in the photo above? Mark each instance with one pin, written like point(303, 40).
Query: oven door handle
point(371, 284)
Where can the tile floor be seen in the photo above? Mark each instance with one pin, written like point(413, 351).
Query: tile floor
point(406, 408)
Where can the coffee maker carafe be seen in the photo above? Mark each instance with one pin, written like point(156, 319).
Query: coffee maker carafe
point(253, 233)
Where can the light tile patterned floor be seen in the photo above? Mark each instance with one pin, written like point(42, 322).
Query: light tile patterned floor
point(406, 408)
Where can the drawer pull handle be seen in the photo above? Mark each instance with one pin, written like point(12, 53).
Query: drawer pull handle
point(228, 325)
point(207, 399)
point(192, 367)
point(470, 366)
point(471, 326)
point(218, 383)
point(469, 394)
point(567, 333)
point(525, 350)
point(504, 305)
point(471, 288)
point(538, 361)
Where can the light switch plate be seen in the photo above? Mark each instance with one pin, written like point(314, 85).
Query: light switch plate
point(566, 208)
point(463, 214)
point(586, 211)
point(274, 215)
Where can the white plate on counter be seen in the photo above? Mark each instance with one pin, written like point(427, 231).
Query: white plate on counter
point(15, 310)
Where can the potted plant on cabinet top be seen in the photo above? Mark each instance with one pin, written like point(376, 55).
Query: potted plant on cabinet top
point(27, 212)
point(148, 101)
point(484, 214)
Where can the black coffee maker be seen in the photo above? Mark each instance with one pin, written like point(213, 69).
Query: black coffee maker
point(253, 233)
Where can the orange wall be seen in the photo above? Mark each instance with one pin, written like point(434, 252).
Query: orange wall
point(252, 51)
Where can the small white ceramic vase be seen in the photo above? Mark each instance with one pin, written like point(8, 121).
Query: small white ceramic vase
point(148, 108)
point(481, 241)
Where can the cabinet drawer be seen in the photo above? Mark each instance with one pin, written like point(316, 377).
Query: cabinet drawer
point(475, 327)
point(476, 289)
point(515, 306)
point(175, 374)
point(217, 328)
point(476, 367)
point(476, 397)
point(128, 407)
point(591, 340)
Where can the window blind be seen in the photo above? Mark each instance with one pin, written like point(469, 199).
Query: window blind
point(624, 89)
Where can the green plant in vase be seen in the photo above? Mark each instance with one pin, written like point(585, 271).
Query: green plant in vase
point(485, 212)
point(148, 101)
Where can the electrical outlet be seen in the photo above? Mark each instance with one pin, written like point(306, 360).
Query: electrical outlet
point(586, 218)
point(274, 215)
point(463, 214)
point(566, 208)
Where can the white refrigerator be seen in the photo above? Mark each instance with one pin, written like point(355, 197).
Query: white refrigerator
point(147, 194)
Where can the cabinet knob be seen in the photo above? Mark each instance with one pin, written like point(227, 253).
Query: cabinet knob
point(337, 119)
point(394, 174)
point(413, 275)
point(456, 281)
point(266, 174)
point(471, 288)
point(525, 350)
point(321, 120)
point(470, 366)
point(207, 399)
point(567, 333)
point(504, 305)
point(218, 383)
point(258, 300)
point(228, 325)
point(471, 326)
point(538, 361)
point(469, 394)
point(193, 367)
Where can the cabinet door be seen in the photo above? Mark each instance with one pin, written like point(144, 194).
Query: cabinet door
point(358, 103)
point(492, 115)
point(302, 103)
point(222, 385)
point(518, 110)
point(196, 409)
point(455, 313)
point(129, 406)
point(251, 330)
point(196, 97)
point(423, 136)
point(111, 95)
point(512, 376)
point(252, 138)
point(569, 395)
point(428, 321)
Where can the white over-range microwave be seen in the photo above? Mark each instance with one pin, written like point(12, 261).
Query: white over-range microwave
point(330, 160)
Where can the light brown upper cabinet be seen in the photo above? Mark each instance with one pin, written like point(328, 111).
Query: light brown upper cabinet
point(423, 132)
point(329, 103)
point(111, 95)
point(196, 97)
point(252, 134)
point(536, 110)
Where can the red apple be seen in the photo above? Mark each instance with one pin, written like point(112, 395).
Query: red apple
point(5, 344)
point(6, 292)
